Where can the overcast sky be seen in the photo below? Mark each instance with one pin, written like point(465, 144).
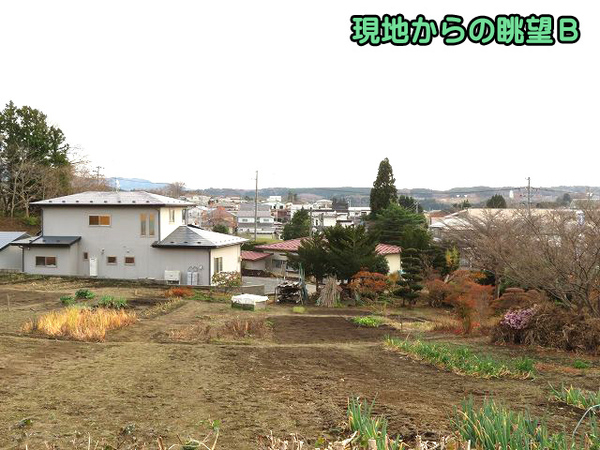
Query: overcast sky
point(207, 92)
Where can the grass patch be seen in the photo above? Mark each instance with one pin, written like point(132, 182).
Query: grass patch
point(576, 397)
point(298, 309)
point(108, 301)
point(368, 321)
point(494, 427)
point(463, 361)
point(211, 296)
point(84, 294)
point(579, 364)
point(81, 324)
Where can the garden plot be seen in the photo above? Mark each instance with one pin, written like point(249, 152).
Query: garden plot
point(296, 378)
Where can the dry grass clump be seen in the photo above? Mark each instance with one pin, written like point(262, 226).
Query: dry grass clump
point(234, 329)
point(81, 324)
point(163, 307)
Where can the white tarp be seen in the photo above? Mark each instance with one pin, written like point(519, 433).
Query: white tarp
point(249, 299)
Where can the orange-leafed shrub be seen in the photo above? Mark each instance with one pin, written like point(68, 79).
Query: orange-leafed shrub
point(438, 293)
point(471, 304)
point(369, 284)
point(179, 292)
point(470, 300)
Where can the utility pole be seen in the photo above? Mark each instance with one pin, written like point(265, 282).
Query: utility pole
point(529, 195)
point(98, 172)
point(256, 206)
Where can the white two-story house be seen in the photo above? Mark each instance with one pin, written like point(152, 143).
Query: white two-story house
point(126, 235)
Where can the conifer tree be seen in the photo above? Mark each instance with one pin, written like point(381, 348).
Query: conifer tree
point(410, 281)
point(384, 190)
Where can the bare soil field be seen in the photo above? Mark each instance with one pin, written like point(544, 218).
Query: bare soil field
point(146, 381)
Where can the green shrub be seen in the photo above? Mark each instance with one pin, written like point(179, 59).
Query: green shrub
point(67, 300)
point(108, 301)
point(298, 309)
point(361, 420)
point(576, 397)
point(368, 321)
point(494, 427)
point(84, 294)
point(462, 360)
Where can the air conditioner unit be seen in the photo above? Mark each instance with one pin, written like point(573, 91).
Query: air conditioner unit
point(172, 276)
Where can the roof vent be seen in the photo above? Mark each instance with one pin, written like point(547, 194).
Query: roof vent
point(118, 201)
point(105, 201)
point(76, 201)
point(49, 201)
point(91, 201)
point(63, 201)
point(132, 201)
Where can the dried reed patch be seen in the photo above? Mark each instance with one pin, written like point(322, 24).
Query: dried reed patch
point(81, 324)
point(233, 329)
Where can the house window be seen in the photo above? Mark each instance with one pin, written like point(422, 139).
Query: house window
point(151, 222)
point(112, 260)
point(171, 216)
point(99, 221)
point(85, 256)
point(45, 261)
point(147, 224)
point(218, 265)
point(130, 260)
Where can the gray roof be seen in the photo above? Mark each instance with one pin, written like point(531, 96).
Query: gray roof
point(50, 241)
point(135, 198)
point(193, 237)
point(250, 213)
point(6, 237)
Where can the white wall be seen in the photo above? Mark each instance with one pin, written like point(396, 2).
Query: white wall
point(231, 259)
point(66, 260)
point(167, 227)
point(11, 258)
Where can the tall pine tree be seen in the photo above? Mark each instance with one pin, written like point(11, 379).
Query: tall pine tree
point(384, 190)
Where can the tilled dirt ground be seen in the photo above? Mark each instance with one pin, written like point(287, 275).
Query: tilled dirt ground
point(298, 380)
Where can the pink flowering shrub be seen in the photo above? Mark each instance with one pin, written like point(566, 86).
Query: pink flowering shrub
point(519, 319)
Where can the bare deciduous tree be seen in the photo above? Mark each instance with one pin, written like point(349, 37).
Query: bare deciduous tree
point(557, 251)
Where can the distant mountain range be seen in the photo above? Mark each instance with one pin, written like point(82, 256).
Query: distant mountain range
point(358, 196)
point(132, 184)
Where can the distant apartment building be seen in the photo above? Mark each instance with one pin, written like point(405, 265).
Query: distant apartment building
point(265, 222)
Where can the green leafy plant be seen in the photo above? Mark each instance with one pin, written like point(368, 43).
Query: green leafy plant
point(462, 360)
point(84, 294)
point(368, 321)
point(361, 421)
point(298, 309)
point(495, 427)
point(67, 300)
point(108, 301)
point(576, 397)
